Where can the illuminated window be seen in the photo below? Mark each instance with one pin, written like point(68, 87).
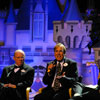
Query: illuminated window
point(68, 41)
point(38, 26)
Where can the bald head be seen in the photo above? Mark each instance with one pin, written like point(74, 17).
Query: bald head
point(19, 56)
point(19, 51)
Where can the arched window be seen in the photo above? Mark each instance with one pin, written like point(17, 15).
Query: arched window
point(60, 40)
point(67, 40)
point(38, 27)
point(83, 41)
point(76, 40)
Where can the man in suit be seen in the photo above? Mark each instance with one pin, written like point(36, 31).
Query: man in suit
point(88, 93)
point(16, 78)
point(67, 77)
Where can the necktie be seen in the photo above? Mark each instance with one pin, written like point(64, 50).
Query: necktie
point(58, 73)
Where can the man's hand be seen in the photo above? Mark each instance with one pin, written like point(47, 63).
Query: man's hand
point(99, 76)
point(5, 85)
point(50, 67)
point(58, 77)
point(10, 85)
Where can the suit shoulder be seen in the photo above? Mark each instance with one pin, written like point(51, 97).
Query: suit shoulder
point(28, 67)
point(7, 67)
point(70, 60)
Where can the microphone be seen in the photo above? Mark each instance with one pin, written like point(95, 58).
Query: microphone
point(51, 66)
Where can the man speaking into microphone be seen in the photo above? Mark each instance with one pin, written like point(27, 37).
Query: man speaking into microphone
point(60, 75)
point(16, 78)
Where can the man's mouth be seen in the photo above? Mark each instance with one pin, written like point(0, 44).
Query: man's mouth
point(58, 56)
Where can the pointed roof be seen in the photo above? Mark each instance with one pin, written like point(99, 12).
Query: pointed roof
point(11, 15)
point(39, 7)
point(23, 17)
point(54, 12)
point(73, 12)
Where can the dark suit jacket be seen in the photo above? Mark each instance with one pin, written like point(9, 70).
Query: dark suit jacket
point(22, 79)
point(71, 74)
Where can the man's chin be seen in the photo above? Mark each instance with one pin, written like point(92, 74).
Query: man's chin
point(20, 64)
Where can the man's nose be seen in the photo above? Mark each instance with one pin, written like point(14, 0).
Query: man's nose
point(58, 52)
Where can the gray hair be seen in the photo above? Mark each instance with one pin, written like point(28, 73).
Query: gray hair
point(60, 45)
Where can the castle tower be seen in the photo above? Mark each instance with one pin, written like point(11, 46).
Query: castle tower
point(10, 27)
point(72, 30)
point(38, 21)
point(2, 25)
point(46, 22)
point(31, 20)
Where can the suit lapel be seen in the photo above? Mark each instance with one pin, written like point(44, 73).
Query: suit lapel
point(10, 70)
point(65, 65)
point(12, 67)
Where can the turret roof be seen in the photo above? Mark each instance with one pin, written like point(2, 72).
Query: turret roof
point(11, 15)
point(73, 12)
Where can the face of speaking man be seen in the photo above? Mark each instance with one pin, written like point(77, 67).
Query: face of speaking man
point(59, 53)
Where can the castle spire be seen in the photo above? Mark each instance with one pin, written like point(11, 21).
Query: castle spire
point(39, 7)
point(73, 12)
point(23, 14)
point(10, 27)
point(11, 15)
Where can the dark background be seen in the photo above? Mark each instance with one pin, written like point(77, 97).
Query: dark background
point(83, 4)
point(4, 4)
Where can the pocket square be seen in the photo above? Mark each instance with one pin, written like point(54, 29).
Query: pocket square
point(23, 70)
point(16, 69)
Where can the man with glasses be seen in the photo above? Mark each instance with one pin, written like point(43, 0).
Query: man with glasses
point(16, 78)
